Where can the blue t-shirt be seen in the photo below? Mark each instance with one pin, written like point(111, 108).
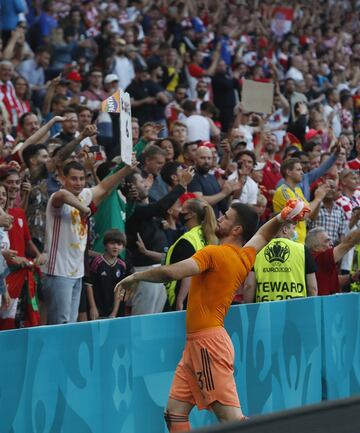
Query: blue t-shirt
point(208, 185)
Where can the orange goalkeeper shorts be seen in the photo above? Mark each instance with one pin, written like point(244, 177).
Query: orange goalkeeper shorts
point(205, 373)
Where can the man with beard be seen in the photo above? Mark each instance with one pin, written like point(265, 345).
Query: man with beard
point(204, 376)
point(173, 110)
point(40, 175)
point(271, 170)
point(70, 126)
point(205, 185)
point(202, 94)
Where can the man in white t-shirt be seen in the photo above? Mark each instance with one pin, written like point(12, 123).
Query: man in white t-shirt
point(198, 126)
point(65, 241)
point(247, 194)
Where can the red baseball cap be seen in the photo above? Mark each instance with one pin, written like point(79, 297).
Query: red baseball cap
point(208, 144)
point(73, 76)
point(186, 196)
point(312, 133)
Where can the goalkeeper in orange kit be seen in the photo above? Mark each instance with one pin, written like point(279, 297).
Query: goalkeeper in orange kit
point(204, 376)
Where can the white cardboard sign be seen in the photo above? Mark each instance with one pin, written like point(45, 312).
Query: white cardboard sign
point(257, 97)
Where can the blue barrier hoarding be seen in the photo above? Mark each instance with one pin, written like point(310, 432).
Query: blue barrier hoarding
point(114, 375)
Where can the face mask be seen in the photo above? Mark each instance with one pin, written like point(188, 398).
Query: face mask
point(182, 218)
point(295, 236)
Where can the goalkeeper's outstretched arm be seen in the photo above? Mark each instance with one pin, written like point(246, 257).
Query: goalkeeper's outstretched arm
point(294, 210)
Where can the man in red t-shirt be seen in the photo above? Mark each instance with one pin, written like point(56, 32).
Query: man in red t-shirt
point(326, 257)
point(21, 283)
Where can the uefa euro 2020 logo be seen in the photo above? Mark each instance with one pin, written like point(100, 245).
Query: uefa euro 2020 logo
point(277, 251)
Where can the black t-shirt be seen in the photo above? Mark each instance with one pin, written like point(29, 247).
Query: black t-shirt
point(224, 90)
point(140, 90)
point(104, 277)
point(146, 220)
point(158, 108)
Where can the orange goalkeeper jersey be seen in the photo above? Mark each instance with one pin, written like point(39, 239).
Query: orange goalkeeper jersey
point(223, 269)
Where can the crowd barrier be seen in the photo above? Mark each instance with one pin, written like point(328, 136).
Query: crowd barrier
point(114, 375)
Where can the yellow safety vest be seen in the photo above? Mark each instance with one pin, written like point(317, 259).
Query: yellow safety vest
point(280, 271)
point(355, 285)
point(196, 238)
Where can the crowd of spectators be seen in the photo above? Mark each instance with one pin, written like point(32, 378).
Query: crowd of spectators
point(74, 220)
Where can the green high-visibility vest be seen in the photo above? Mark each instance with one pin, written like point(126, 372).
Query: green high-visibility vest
point(196, 238)
point(280, 271)
point(355, 285)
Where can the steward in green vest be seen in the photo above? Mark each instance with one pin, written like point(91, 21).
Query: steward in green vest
point(355, 284)
point(199, 218)
point(283, 269)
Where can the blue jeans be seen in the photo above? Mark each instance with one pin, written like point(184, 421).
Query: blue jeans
point(62, 297)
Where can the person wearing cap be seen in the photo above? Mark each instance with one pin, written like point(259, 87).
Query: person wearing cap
point(313, 140)
point(74, 80)
point(124, 63)
point(111, 83)
point(199, 219)
point(257, 173)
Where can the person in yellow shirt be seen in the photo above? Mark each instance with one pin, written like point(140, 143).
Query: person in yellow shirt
point(292, 172)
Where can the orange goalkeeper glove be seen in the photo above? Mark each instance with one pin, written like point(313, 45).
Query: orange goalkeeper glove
point(294, 210)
